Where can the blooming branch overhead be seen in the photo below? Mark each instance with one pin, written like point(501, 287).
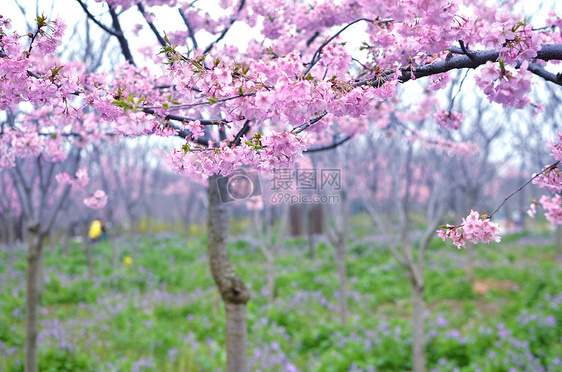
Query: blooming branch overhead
point(297, 86)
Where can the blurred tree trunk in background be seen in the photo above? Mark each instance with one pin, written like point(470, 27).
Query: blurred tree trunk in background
point(35, 247)
point(338, 233)
point(559, 242)
point(65, 240)
point(87, 243)
point(270, 233)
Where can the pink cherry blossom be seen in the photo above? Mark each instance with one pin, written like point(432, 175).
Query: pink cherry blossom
point(98, 200)
point(449, 119)
point(474, 229)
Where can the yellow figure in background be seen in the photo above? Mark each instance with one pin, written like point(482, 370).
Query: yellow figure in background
point(95, 230)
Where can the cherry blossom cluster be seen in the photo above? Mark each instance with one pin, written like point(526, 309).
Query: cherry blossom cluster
point(78, 182)
point(551, 179)
point(474, 229)
point(264, 152)
point(552, 207)
point(515, 40)
point(97, 200)
point(296, 83)
point(443, 144)
point(449, 119)
point(505, 85)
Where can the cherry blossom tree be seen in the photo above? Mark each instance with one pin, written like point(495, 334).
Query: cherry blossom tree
point(269, 231)
point(416, 181)
point(297, 86)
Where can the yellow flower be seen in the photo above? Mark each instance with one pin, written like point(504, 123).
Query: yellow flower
point(127, 260)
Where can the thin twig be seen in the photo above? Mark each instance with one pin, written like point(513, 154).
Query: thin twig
point(547, 169)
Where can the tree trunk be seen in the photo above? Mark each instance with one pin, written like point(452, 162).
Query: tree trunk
point(88, 245)
point(469, 262)
point(232, 289)
point(471, 197)
point(115, 252)
point(559, 242)
point(418, 354)
point(270, 267)
point(35, 241)
point(65, 239)
point(132, 239)
point(339, 257)
point(91, 272)
point(11, 239)
point(41, 277)
point(312, 246)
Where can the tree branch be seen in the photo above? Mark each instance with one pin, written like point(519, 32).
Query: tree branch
point(91, 16)
point(329, 147)
point(151, 25)
point(222, 35)
point(120, 36)
point(317, 54)
point(189, 28)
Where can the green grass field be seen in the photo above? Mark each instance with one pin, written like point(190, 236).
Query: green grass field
point(162, 312)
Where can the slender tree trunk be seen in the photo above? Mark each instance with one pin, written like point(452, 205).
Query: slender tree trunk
point(35, 241)
point(89, 253)
point(88, 246)
point(310, 234)
point(232, 289)
point(41, 278)
point(270, 267)
point(65, 241)
point(418, 354)
point(559, 242)
point(11, 239)
point(312, 246)
point(132, 239)
point(469, 262)
point(115, 252)
point(471, 197)
point(339, 257)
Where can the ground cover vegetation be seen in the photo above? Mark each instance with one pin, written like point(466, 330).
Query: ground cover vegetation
point(161, 312)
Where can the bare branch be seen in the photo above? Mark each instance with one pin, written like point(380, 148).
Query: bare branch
point(189, 28)
point(94, 19)
point(222, 35)
point(120, 36)
point(329, 147)
point(151, 25)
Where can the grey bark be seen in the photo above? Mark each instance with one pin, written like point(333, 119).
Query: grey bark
point(35, 241)
point(339, 257)
point(232, 289)
point(10, 236)
point(418, 327)
point(65, 239)
point(559, 242)
point(270, 267)
point(469, 262)
point(270, 238)
point(338, 237)
point(88, 245)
